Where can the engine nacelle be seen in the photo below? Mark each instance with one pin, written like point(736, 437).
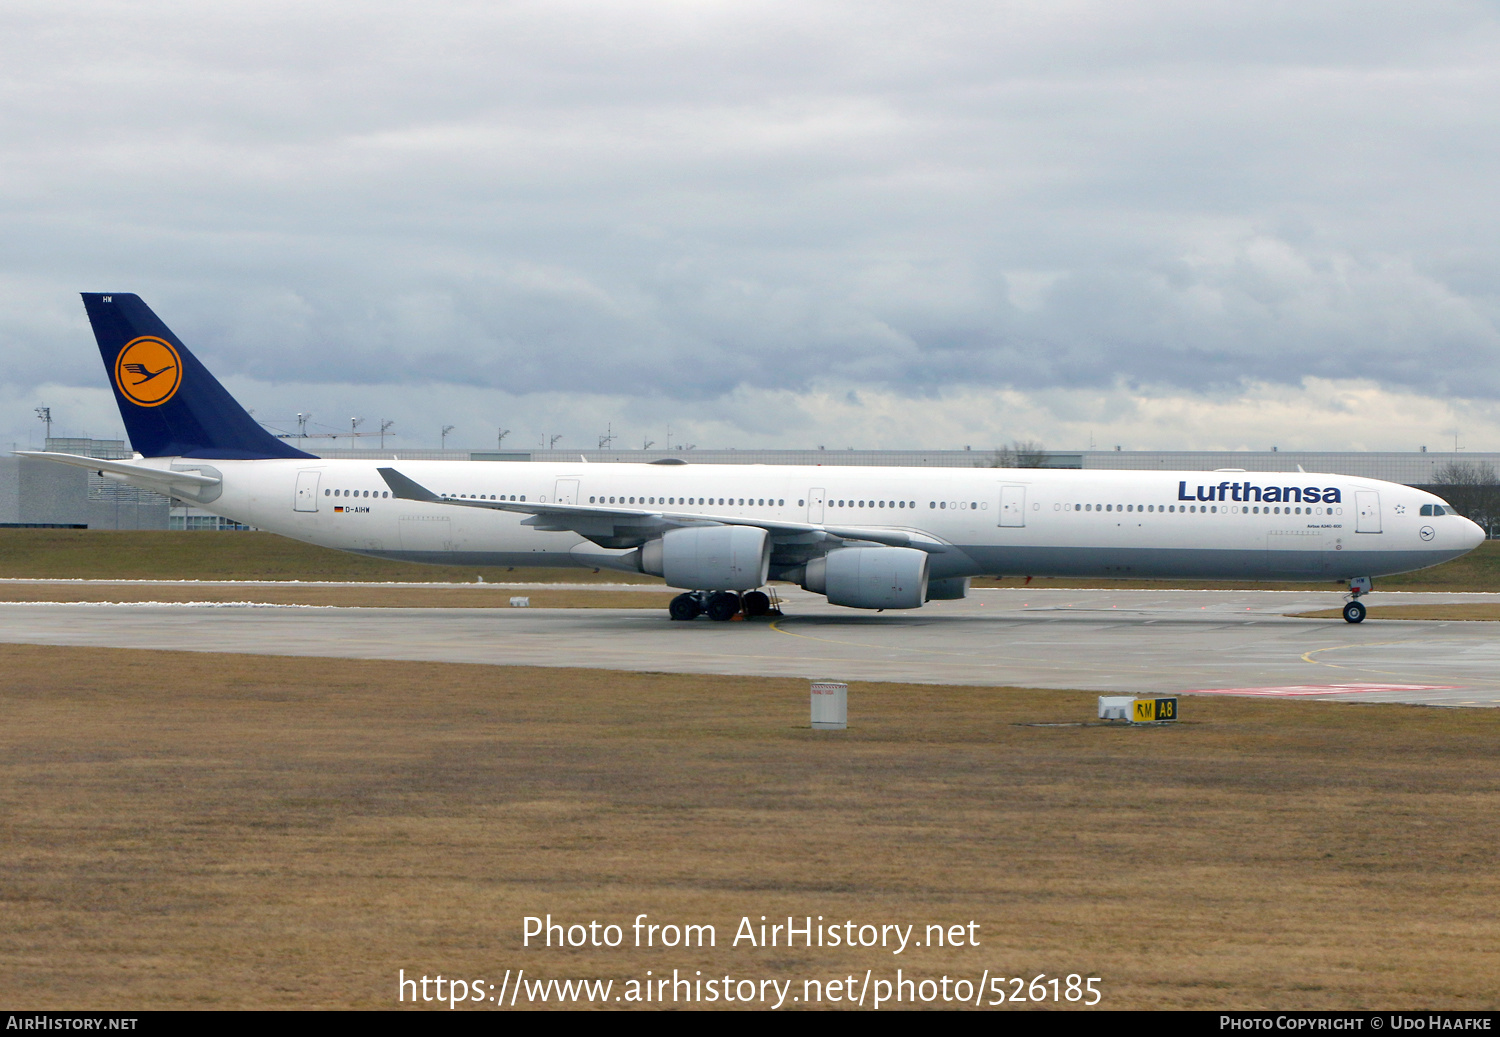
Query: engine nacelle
point(951, 589)
point(710, 558)
point(870, 577)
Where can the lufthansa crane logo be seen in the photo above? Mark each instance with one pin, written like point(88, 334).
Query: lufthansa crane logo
point(148, 371)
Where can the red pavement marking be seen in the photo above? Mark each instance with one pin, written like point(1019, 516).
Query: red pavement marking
point(1287, 690)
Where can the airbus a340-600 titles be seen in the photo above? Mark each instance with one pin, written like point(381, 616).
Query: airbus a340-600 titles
point(869, 538)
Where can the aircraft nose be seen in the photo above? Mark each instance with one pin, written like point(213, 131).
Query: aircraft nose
point(1474, 534)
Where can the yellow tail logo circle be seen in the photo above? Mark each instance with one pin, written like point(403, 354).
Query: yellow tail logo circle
point(148, 371)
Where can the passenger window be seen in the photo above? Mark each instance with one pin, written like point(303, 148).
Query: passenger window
point(943, 504)
point(327, 492)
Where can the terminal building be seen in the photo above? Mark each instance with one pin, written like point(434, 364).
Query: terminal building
point(39, 493)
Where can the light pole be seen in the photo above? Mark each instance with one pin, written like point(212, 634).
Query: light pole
point(443, 439)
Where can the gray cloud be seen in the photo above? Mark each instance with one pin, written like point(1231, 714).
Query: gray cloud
point(680, 202)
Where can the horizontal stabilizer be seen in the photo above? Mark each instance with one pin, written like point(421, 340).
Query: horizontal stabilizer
point(134, 472)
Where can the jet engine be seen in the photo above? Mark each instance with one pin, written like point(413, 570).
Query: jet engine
point(870, 577)
point(710, 558)
point(951, 589)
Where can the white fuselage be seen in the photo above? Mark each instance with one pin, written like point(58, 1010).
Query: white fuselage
point(1211, 525)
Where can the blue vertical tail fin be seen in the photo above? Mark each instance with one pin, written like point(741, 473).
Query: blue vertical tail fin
point(171, 405)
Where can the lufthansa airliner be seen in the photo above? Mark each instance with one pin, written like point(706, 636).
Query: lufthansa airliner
point(869, 538)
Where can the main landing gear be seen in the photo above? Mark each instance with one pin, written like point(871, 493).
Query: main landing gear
point(722, 605)
point(1354, 609)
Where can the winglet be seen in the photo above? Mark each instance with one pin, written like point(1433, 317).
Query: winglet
point(407, 489)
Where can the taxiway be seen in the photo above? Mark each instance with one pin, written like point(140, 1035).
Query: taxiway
point(1135, 641)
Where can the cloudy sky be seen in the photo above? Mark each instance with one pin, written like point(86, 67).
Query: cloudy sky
point(1157, 224)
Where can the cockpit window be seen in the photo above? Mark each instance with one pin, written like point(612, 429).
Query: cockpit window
point(1438, 509)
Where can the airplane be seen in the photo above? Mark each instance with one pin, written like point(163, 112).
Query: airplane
point(864, 537)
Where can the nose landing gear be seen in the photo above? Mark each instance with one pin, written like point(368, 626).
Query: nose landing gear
point(1354, 609)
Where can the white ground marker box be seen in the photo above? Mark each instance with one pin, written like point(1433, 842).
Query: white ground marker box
point(1138, 711)
point(830, 705)
point(1115, 707)
point(520, 603)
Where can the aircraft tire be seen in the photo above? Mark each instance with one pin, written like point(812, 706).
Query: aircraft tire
point(757, 603)
point(1354, 612)
point(684, 607)
point(723, 605)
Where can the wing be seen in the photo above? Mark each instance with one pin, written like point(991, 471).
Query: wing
point(617, 527)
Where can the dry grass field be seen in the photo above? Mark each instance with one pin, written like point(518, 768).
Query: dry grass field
point(190, 830)
point(105, 555)
point(89, 554)
point(1461, 610)
point(406, 596)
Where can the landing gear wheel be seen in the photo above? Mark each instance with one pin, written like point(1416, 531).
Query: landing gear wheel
point(684, 607)
point(723, 605)
point(1354, 612)
point(757, 603)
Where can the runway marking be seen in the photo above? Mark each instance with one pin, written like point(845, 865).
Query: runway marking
point(1307, 658)
point(1288, 690)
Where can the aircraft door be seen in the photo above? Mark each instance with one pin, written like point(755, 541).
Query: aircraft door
point(567, 491)
point(815, 505)
point(1367, 503)
point(306, 498)
point(1013, 505)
